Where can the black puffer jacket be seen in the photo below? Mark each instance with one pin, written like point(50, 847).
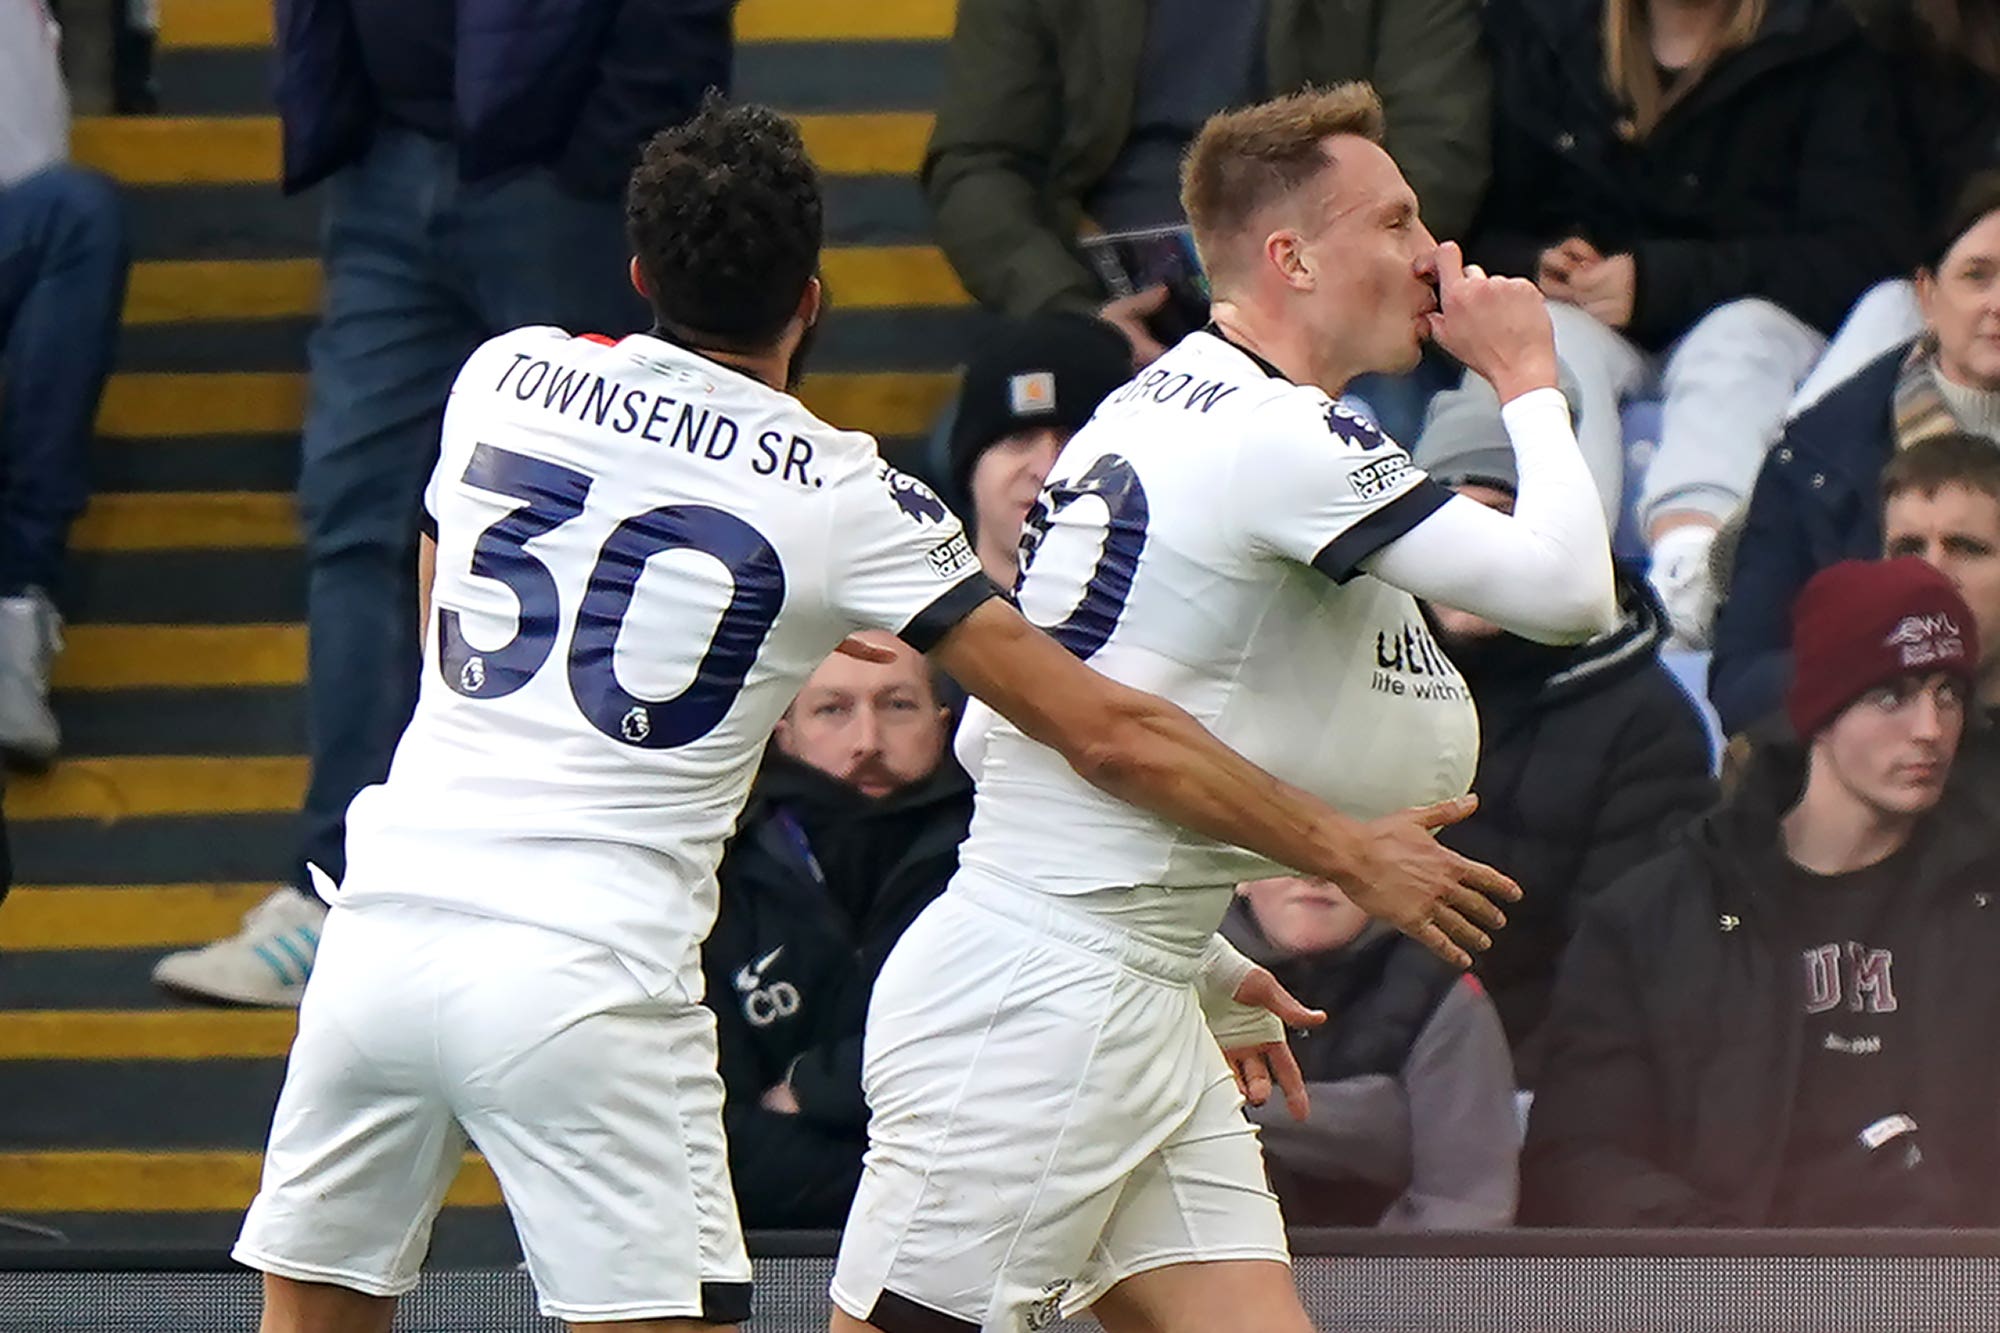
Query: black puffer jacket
point(817, 886)
point(1590, 759)
point(1671, 1066)
point(1781, 174)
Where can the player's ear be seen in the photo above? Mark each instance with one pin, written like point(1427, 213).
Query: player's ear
point(810, 301)
point(1285, 250)
point(639, 278)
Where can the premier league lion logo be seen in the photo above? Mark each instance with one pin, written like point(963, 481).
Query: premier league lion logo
point(918, 502)
point(1348, 424)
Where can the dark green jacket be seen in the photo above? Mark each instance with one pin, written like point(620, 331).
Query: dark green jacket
point(1040, 100)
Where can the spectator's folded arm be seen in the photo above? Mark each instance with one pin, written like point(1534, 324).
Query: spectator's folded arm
point(986, 171)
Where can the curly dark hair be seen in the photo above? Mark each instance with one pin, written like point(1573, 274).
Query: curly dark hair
point(724, 215)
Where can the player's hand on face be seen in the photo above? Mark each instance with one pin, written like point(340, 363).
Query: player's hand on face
point(1257, 1066)
point(1438, 898)
point(1128, 314)
point(1499, 327)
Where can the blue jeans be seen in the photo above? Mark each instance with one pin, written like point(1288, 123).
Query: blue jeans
point(420, 269)
point(62, 288)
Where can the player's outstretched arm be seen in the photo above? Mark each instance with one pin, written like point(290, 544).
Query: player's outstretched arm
point(1145, 750)
point(1545, 572)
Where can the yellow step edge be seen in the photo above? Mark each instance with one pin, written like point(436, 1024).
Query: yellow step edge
point(150, 404)
point(187, 521)
point(146, 1034)
point(37, 918)
point(129, 657)
point(825, 20)
point(169, 291)
point(194, 24)
point(169, 1182)
point(878, 277)
point(880, 402)
point(224, 150)
point(889, 277)
point(151, 786)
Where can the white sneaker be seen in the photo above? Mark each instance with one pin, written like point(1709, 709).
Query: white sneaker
point(1680, 574)
point(30, 638)
point(265, 963)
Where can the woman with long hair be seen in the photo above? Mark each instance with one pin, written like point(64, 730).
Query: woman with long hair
point(1702, 188)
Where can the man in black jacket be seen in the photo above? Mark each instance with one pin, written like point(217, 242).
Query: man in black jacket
point(1590, 759)
point(852, 829)
point(1781, 1022)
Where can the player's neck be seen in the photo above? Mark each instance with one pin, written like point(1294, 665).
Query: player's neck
point(767, 369)
point(1282, 344)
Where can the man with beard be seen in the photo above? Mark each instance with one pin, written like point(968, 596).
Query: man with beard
point(852, 829)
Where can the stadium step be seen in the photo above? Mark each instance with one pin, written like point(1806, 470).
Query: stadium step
point(173, 810)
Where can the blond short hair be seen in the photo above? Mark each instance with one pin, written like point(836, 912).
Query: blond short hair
point(1243, 161)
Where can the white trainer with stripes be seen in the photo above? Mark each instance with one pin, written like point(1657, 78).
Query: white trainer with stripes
point(265, 963)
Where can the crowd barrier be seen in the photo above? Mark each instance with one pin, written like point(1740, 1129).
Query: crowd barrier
point(1525, 1281)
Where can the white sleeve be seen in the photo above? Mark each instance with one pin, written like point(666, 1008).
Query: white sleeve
point(1544, 573)
point(1317, 483)
point(906, 564)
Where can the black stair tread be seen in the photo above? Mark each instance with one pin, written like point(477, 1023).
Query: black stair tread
point(209, 720)
point(180, 849)
point(798, 76)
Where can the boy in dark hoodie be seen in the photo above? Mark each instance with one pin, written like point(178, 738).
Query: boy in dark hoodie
point(1591, 758)
point(1782, 1020)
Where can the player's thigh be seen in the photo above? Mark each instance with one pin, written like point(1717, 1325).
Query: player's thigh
point(1015, 1083)
point(363, 1144)
point(1201, 1200)
point(599, 1108)
point(1206, 1298)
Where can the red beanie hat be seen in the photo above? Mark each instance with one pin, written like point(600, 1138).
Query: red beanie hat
point(1861, 624)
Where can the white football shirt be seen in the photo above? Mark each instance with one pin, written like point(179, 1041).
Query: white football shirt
point(641, 556)
point(1201, 538)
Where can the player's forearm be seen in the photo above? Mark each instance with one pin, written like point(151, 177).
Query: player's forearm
point(1156, 756)
point(1545, 572)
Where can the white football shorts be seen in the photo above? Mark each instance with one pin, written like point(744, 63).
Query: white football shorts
point(1050, 1116)
point(596, 1104)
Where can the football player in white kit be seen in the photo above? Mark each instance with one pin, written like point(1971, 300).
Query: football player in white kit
point(641, 550)
point(1053, 1125)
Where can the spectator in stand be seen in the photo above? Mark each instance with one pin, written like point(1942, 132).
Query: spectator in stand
point(62, 289)
point(1060, 117)
point(1026, 391)
point(1591, 758)
point(1817, 499)
point(852, 829)
point(474, 156)
point(1702, 189)
point(1782, 1021)
point(1941, 503)
point(1944, 59)
point(1412, 1123)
